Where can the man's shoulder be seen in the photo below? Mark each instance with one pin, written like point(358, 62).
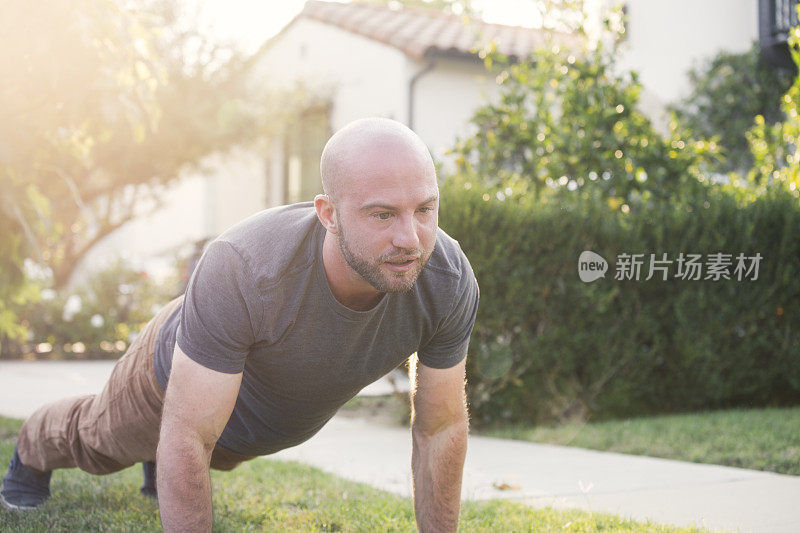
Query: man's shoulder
point(448, 275)
point(275, 240)
point(448, 258)
point(450, 297)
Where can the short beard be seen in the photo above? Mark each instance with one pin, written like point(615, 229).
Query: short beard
point(372, 273)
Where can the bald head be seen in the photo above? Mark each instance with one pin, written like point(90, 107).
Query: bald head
point(370, 146)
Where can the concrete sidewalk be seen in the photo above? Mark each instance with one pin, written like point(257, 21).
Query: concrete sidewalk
point(668, 492)
point(27, 385)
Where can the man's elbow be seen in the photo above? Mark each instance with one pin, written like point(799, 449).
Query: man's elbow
point(455, 430)
point(179, 441)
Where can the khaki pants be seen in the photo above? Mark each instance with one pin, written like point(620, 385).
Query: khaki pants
point(113, 430)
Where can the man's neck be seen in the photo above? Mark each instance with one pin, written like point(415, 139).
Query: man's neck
point(347, 286)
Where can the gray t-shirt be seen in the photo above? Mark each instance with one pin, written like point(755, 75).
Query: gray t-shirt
point(259, 303)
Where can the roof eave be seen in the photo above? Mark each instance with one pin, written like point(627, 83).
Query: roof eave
point(433, 53)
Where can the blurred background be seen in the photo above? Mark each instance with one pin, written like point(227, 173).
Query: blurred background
point(132, 132)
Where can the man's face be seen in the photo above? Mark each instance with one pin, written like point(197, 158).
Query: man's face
point(387, 225)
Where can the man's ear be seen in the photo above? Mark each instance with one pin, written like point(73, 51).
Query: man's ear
point(325, 212)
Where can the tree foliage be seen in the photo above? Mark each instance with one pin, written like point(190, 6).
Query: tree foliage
point(566, 119)
point(728, 93)
point(104, 103)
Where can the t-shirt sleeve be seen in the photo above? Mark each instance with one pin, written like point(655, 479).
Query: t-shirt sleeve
point(448, 347)
point(220, 315)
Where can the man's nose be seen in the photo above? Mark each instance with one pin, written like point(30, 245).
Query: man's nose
point(405, 235)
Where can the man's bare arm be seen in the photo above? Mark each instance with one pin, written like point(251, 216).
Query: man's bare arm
point(439, 429)
point(197, 406)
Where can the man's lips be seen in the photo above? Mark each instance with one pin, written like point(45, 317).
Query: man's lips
point(400, 265)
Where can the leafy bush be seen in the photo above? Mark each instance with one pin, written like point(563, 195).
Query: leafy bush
point(98, 320)
point(728, 93)
point(570, 120)
point(549, 347)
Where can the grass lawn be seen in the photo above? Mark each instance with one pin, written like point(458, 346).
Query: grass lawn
point(266, 495)
point(760, 439)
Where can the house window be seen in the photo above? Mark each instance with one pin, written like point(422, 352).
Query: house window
point(785, 16)
point(305, 139)
point(776, 18)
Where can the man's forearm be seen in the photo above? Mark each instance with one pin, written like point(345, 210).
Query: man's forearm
point(437, 464)
point(184, 485)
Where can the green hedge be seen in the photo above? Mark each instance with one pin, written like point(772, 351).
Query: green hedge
point(549, 347)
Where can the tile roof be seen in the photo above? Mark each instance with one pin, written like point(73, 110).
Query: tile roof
point(418, 31)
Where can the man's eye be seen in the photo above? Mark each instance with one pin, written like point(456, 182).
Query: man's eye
point(425, 210)
point(383, 216)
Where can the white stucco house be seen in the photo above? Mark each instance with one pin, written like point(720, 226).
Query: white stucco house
point(665, 39)
point(350, 61)
point(417, 66)
point(354, 60)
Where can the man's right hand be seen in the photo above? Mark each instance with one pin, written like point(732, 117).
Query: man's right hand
point(197, 405)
